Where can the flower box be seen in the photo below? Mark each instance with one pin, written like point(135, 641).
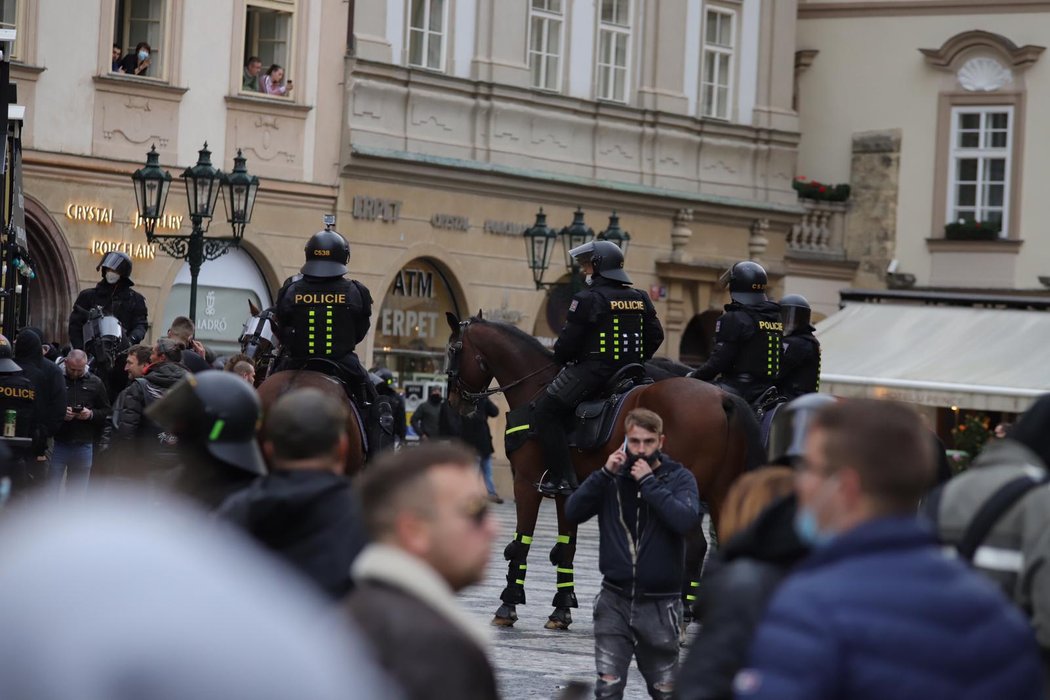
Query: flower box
point(972, 231)
point(811, 189)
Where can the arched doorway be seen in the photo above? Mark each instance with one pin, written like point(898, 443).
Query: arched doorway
point(52, 293)
point(224, 288)
point(698, 339)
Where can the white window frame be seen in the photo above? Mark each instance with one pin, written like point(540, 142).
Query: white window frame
point(427, 33)
point(981, 154)
point(288, 7)
point(548, 17)
point(719, 53)
point(18, 48)
point(165, 50)
point(613, 30)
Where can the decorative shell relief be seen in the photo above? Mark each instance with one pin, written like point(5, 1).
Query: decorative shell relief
point(984, 75)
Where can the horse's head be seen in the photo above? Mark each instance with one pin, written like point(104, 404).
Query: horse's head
point(468, 372)
point(257, 336)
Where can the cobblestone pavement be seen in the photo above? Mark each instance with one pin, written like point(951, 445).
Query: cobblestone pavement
point(530, 661)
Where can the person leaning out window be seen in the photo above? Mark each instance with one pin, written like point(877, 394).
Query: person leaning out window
point(273, 82)
point(137, 63)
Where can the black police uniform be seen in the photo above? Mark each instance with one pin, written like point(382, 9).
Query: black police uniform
point(18, 393)
point(800, 366)
point(609, 326)
point(118, 299)
point(747, 353)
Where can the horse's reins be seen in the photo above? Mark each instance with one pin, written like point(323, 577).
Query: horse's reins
point(475, 396)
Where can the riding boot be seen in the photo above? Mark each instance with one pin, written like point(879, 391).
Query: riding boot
point(560, 477)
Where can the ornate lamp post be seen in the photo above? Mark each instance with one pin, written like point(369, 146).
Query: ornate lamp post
point(615, 234)
point(203, 184)
point(539, 245)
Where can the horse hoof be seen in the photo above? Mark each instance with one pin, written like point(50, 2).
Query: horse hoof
point(556, 625)
point(498, 621)
point(560, 619)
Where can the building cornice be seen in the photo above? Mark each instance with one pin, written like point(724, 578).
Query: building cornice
point(898, 8)
point(1017, 56)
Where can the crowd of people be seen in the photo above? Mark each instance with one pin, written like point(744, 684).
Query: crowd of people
point(832, 577)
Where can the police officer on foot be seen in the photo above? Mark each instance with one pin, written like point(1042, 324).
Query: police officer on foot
point(18, 410)
point(800, 365)
point(115, 295)
point(214, 416)
point(609, 325)
point(748, 336)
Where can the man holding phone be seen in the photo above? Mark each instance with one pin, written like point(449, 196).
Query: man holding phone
point(87, 408)
point(646, 503)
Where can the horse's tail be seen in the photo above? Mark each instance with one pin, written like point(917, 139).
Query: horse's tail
point(739, 413)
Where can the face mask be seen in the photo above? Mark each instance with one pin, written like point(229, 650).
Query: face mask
point(143, 55)
point(589, 280)
point(807, 527)
point(112, 277)
point(435, 399)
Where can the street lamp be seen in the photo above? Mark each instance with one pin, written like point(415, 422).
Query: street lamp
point(203, 184)
point(539, 245)
point(615, 234)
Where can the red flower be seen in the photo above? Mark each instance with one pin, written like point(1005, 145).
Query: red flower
point(822, 189)
point(801, 178)
point(977, 224)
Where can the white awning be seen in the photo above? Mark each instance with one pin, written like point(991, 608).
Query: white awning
point(980, 359)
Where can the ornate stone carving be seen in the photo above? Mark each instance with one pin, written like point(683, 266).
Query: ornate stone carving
point(680, 235)
point(758, 242)
point(983, 74)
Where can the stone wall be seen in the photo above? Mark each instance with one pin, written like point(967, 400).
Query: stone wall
point(871, 227)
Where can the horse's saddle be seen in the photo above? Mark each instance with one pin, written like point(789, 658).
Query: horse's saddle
point(594, 419)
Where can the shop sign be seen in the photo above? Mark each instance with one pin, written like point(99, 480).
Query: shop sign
point(450, 221)
point(91, 214)
point(413, 312)
point(221, 312)
point(142, 251)
point(372, 208)
point(171, 222)
point(504, 228)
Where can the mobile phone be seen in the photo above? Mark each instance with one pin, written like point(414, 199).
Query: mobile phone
point(77, 409)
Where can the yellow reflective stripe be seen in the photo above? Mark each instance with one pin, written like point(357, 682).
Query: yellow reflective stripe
point(563, 539)
point(694, 584)
point(516, 429)
point(525, 539)
point(523, 566)
point(563, 571)
point(690, 597)
point(563, 585)
point(520, 581)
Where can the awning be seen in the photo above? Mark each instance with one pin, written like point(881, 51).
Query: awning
point(980, 359)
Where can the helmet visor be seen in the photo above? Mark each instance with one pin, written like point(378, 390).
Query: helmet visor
point(582, 253)
point(726, 277)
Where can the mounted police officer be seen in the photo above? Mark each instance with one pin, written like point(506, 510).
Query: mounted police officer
point(800, 365)
point(114, 294)
point(609, 325)
point(748, 336)
point(19, 396)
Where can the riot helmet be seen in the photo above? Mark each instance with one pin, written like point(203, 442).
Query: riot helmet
point(795, 312)
point(747, 282)
point(605, 256)
point(327, 254)
point(386, 375)
point(116, 261)
point(787, 434)
point(217, 411)
point(7, 354)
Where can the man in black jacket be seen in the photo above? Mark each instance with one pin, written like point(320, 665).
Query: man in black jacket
point(646, 503)
point(748, 336)
point(475, 432)
point(114, 294)
point(304, 510)
point(50, 404)
point(87, 408)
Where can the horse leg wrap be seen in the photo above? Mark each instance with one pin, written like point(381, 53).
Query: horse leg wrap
point(516, 553)
point(565, 597)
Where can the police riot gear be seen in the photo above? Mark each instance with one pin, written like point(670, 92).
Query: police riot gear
point(800, 366)
point(608, 327)
point(747, 282)
point(323, 317)
point(218, 411)
point(116, 261)
point(327, 254)
point(605, 256)
point(19, 409)
point(787, 434)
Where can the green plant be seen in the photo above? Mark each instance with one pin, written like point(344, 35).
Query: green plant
point(970, 435)
point(964, 230)
point(811, 189)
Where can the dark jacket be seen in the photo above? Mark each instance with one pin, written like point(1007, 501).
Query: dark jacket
point(308, 518)
point(658, 511)
point(747, 351)
point(426, 419)
point(89, 392)
point(50, 383)
point(416, 630)
point(397, 407)
point(799, 365)
point(118, 299)
point(733, 596)
point(880, 612)
point(131, 425)
point(588, 311)
point(193, 362)
point(475, 431)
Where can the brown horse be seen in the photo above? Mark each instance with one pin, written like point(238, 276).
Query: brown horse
point(280, 383)
point(712, 433)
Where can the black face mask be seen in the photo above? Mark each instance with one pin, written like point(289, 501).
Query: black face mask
point(653, 460)
point(435, 399)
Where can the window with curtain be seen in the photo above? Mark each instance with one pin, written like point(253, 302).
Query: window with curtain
point(426, 34)
point(614, 38)
point(717, 72)
point(545, 34)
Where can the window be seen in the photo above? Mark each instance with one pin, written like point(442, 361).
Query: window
point(716, 81)
point(140, 21)
point(426, 34)
point(9, 19)
point(614, 36)
point(545, 28)
point(979, 184)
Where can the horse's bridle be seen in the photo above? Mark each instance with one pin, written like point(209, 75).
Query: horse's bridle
point(262, 321)
point(455, 382)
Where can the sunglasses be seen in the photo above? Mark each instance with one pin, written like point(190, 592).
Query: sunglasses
point(477, 511)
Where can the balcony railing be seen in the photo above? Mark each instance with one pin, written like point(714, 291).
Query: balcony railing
point(821, 231)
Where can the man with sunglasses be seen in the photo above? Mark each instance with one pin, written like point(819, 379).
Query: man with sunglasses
point(646, 503)
point(432, 532)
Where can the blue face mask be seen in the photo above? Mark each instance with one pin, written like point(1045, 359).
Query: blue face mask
point(143, 55)
point(808, 529)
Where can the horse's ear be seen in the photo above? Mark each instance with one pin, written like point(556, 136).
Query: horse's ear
point(453, 322)
point(252, 307)
point(479, 314)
